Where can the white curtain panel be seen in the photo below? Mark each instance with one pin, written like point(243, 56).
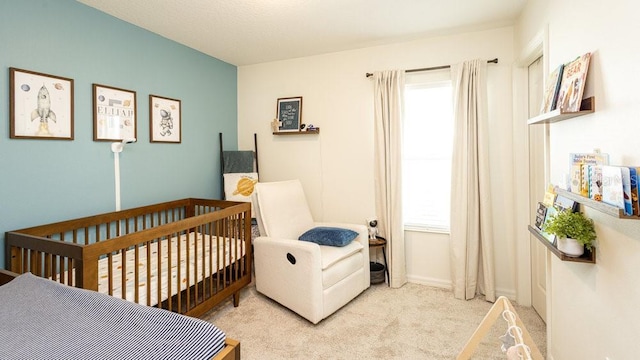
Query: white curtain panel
point(472, 261)
point(388, 102)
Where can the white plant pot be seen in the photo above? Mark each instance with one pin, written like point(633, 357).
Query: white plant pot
point(570, 247)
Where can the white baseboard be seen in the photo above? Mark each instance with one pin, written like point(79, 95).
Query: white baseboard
point(439, 283)
point(446, 284)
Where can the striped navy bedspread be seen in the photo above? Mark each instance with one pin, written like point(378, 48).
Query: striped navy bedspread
point(41, 319)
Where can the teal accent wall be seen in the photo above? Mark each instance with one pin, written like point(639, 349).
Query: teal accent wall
point(45, 181)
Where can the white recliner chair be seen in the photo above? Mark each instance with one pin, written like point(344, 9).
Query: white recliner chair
point(310, 279)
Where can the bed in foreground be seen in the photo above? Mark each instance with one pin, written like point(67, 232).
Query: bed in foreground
point(185, 256)
point(42, 319)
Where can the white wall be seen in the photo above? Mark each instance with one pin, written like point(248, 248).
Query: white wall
point(595, 308)
point(336, 166)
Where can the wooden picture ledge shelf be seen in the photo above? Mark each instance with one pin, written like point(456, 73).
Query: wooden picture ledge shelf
point(304, 132)
point(597, 205)
point(587, 106)
point(589, 256)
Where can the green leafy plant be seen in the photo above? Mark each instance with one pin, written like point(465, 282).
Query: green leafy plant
point(573, 225)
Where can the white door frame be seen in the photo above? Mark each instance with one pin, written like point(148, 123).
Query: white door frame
point(537, 47)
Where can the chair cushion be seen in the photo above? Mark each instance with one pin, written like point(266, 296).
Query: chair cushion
point(331, 236)
point(329, 255)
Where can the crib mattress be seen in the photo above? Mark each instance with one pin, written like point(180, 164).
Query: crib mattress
point(187, 267)
point(42, 319)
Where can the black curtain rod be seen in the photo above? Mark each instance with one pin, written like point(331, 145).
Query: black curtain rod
point(494, 61)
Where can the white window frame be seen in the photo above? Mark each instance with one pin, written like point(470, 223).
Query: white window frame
point(423, 80)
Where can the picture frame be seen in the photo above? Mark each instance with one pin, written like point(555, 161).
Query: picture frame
point(165, 120)
point(114, 113)
point(41, 106)
point(289, 114)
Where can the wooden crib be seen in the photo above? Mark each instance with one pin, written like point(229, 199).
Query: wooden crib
point(185, 256)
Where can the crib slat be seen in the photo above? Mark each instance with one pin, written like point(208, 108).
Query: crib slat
point(149, 273)
point(123, 273)
point(136, 276)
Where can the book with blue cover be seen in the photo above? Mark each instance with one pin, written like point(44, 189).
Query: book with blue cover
point(635, 206)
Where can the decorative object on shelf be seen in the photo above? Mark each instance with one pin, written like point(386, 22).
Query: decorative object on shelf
point(165, 119)
point(372, 227)
point(114, 113)
point(550, 99)
point(289, 113)
point(571, 226)
point(572, 86)
point(275, 125)
point(41, 106)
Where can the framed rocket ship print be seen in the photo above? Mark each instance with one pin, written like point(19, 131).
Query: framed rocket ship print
point(41, 106)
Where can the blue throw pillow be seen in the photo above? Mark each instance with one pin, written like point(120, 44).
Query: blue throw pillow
point(331, 236)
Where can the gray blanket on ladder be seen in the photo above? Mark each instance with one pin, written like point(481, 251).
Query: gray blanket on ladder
point(237, 162)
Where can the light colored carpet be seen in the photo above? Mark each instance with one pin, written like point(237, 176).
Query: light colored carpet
point(413, 322)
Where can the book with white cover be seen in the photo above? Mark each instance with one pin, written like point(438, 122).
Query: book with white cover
point(612, 192)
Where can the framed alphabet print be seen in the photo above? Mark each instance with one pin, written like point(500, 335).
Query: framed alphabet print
point(114, 113)
point(165, 119)
point(41, 106)
point(289, 113)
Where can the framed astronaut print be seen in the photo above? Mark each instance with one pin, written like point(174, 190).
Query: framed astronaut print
point(165, 120)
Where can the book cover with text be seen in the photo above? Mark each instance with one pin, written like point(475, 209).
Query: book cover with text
point(572, 85)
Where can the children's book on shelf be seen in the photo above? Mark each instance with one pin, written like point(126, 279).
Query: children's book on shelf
point(595, 182)
point(549, 196)
point(541, 211)
point(563, 203)
point(551, 212)
point(635, 206)
point(626, 190)
point(552, 88)
point(572, 84)
point(612, 191)
point(584, 176)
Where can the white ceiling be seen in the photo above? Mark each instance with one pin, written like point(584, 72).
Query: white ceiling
point(243, 32)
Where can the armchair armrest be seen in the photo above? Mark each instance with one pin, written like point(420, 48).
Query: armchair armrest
point(290, 272)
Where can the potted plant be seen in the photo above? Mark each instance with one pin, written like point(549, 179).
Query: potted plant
point(573, 230)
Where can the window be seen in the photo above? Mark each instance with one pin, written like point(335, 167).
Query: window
point(427, 152)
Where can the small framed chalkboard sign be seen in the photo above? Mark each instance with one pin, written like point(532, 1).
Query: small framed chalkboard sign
point(289, 113)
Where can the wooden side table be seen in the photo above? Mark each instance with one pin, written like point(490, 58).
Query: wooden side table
point(380, 242)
